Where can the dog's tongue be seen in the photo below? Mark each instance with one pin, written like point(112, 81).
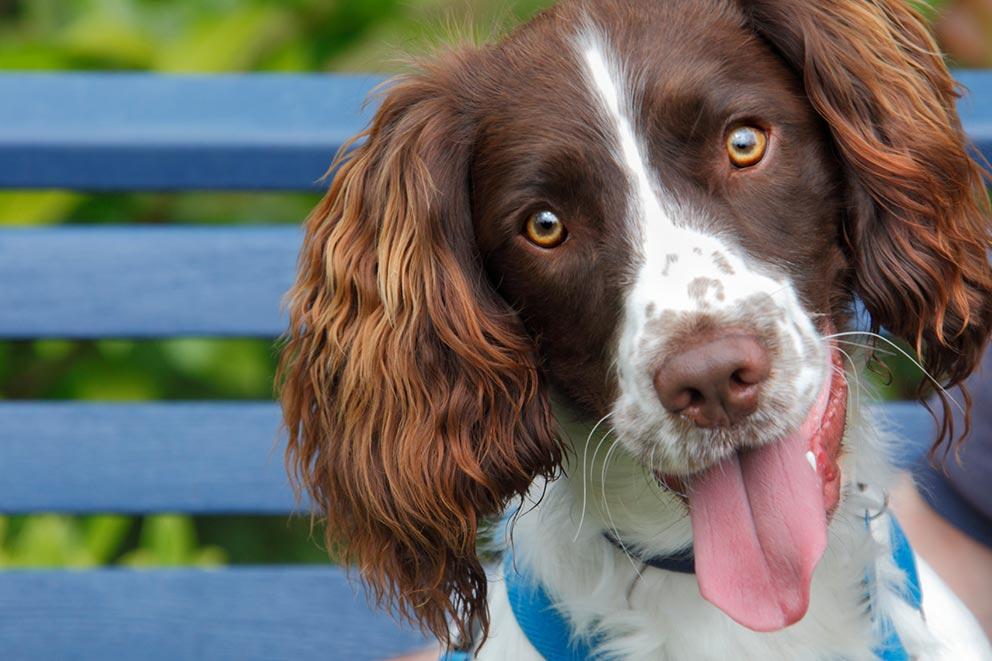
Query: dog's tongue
point(759, 527)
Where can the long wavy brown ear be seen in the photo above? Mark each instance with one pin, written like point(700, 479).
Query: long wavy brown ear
point(918, 228)
point(410, 390)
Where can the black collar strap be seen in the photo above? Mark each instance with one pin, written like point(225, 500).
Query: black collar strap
point(682, 563)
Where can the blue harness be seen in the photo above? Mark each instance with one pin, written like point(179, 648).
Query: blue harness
point(550, 634)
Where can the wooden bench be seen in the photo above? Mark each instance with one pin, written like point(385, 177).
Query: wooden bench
point(145, 132)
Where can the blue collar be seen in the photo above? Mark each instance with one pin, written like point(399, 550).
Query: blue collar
point(551, 635)
point(891, 648)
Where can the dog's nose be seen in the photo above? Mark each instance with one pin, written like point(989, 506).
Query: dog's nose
point(716, 382)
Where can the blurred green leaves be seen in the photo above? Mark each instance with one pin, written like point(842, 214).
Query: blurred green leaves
point(128, 370)
point(51, 540)
point(235, 41)
point(235, 35)
point(163, 540)
point(169, 540)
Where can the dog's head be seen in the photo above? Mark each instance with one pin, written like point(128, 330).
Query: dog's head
point(659, 208)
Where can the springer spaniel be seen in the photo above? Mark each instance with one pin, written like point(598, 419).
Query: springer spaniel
point(595, 273)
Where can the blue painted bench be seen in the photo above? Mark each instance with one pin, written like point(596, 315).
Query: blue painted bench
point(144, 132)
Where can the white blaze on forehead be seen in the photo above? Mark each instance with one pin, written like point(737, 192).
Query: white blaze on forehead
point(677, 267)
point(672, 255)
point(609, 84)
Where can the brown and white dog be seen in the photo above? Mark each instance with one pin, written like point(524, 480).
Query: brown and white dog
point(655, 213)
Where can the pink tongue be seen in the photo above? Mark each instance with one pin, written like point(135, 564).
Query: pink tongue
point(759, 528)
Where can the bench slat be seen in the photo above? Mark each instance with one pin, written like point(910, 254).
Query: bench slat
point(136, 458)
point(239, 613)
point(100, 131)
point(185, 457)
point(114, 131)
point(100, 281)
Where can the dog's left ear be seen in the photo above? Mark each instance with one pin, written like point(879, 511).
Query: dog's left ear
point(411, 391)
point(917, 231)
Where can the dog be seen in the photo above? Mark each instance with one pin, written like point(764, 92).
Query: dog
point(599, 275)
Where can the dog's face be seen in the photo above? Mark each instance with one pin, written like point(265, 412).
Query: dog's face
point(660, 208)
point(622, 137)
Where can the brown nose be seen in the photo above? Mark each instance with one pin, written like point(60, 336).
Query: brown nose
point(714, 383)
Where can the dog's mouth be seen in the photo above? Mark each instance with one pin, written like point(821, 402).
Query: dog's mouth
point(759, 517)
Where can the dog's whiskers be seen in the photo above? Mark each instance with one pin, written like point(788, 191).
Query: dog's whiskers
point(609, 514)
point(854, 373)
point(592, 461)
point(585, 452)
point(930, 377)
point(866, 347)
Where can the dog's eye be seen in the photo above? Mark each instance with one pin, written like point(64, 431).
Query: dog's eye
point(746, 146)
point(545, 230)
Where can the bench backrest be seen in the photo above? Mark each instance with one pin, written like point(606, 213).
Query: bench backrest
point(146, 132)
point(143, 132)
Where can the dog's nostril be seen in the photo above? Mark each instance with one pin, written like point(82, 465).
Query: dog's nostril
point(747, 376)
point(716, 382)
point(685, 398)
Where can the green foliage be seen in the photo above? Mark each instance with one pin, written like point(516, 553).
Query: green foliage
point(51, 540)
point(169, 540)
point(127, 370)
point(165, 540)
point(235, 35)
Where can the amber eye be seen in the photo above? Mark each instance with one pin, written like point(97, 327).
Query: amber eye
point(746, 146)
point(545, 230)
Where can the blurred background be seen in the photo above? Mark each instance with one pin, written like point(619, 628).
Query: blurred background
point(194, 36)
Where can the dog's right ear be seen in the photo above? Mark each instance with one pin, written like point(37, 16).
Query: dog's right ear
point(918, 228)
point(410, 390)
